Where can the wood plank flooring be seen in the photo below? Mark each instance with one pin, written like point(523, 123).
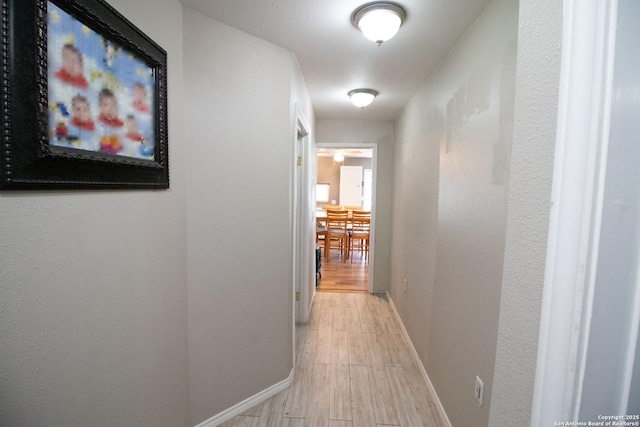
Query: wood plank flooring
point(354, 369)
point(338, 276)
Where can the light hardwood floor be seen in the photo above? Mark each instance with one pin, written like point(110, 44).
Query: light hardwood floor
point(354, 369)
point(349, 276)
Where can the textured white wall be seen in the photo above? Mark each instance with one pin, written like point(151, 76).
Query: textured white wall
point(381, 133)
point(240, 114)
point(536, 105)
point(93, 295)
point(452, 166)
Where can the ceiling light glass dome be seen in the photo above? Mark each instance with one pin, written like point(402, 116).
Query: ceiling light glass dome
point(379, 21)
point(362, 97)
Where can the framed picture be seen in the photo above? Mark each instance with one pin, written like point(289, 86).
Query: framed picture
point(84, 99)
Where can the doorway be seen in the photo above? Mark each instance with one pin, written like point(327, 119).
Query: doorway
point(303, 222)
point(346, 175)
point(589, 349)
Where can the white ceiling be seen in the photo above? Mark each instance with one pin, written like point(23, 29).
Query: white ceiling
point(335, 57)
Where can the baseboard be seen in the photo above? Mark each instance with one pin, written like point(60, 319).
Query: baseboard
point(414, 355)
point(249, 403)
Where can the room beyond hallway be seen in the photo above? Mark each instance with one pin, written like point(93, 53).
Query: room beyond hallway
point(354, 370)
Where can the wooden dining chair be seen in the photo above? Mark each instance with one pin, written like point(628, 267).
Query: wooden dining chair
point(360, 233)
point(337, 237)
point(321, 232)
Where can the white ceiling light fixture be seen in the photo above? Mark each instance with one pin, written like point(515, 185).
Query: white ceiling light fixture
point(362, 97)
point(338, 157)
point(379, 21)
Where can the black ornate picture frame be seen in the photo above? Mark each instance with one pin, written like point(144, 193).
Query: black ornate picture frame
point(84, 99)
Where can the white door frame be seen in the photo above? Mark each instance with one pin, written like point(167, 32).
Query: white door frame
point(303, 229)
point(576, 208)
point(374, 178)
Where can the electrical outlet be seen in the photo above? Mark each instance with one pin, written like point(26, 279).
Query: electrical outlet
point(479, 391)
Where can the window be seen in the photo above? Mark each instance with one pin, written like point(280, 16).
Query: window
point(322, 192)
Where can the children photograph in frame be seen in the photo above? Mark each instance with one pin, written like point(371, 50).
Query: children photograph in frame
point(100, 95)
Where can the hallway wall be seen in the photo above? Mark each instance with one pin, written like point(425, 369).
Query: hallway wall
point(380, 132)
point(452, 162)
point(240, 155)
point(93, 293)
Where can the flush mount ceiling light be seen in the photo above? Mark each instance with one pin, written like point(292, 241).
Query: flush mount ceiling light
point(379, 21)
point(362, 97)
